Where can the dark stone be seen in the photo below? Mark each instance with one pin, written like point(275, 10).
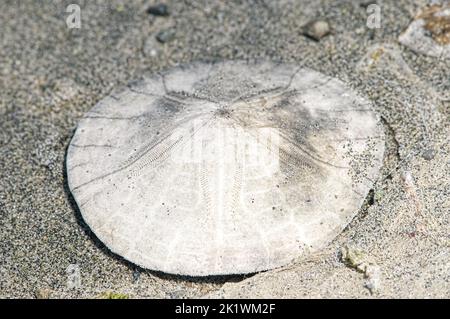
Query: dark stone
point(159, 10)
point(136, 275)
point(165, 35)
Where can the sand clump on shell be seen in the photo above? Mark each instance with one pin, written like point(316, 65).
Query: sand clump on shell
point(224, 168)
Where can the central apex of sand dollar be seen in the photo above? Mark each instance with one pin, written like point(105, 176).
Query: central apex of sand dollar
point(224, 168)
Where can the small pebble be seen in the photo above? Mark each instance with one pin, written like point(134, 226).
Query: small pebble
point(64, 89)
point(43, 294)
point(373, 281)
point(151, 47)
point(159, 10)
point(316, 29)
point(177, 294)
point(136, 276)
point(428, 154)
point(165, 35)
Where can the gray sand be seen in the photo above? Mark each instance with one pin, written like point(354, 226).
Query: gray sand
point(50, 76)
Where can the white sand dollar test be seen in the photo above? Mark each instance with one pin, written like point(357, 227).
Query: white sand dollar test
point(224, 168)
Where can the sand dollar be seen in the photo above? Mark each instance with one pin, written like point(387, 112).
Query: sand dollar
point(224, 168)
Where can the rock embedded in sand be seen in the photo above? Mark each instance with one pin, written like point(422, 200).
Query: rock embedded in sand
point(160, 9)
point(165, 35)
point(316, 29)
point(365, 264)
point(43, 293)
point(429, 32)
point(224, 168)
